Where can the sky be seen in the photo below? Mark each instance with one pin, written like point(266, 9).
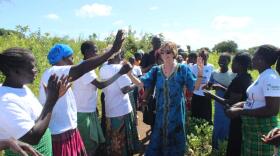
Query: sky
point(198, 23)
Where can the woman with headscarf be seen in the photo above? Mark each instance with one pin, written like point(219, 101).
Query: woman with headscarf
point(66, 139)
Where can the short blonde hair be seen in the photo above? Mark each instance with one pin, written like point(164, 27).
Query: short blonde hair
point(170, 46)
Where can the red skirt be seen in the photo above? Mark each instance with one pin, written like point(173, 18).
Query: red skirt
point(68, 143)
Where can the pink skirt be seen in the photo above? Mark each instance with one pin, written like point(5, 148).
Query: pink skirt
point(68, 143)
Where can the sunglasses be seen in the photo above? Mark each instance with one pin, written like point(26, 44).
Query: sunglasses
point(165, 52)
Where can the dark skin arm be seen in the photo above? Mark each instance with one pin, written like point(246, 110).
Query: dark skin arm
point(215, 86)
point(102, 84)
point(129, 88)
point(55, 89)
point(77, 71)
point(233, 98)
point(19, 147)
point(270, 109)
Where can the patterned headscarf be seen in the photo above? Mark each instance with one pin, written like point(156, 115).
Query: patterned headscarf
point(58, 52)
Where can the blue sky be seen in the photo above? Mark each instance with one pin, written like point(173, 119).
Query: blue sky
point(198, 23)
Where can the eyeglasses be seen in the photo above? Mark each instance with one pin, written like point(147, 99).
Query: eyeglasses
point(165, 52)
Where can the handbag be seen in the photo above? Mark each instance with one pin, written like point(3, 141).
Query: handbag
point(149, 110)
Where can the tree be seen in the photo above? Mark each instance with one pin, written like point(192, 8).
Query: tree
point(226, 46)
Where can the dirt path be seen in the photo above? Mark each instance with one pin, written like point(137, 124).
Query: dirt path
point(143, 131)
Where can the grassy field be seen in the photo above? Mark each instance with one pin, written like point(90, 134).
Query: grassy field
point(40, 45)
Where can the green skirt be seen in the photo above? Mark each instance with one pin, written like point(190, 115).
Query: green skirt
point(121, 136)
point(90, 130)
point(252, 130)
point(44, 146)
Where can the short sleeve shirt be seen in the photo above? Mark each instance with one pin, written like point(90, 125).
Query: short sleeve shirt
point(207, 71)
point(266, 85)
point(19, 111)
point(64, 115)
point(85, 92)
point(116, 103)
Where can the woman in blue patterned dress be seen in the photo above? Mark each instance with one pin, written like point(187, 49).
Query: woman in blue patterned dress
point(169, 134)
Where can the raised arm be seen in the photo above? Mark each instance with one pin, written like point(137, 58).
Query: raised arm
point(102, 84)
point(77, 71)
point(200, 65)
point(55, 89)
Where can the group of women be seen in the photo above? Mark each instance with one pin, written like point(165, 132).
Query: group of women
point(65, 121)
point(252, 106)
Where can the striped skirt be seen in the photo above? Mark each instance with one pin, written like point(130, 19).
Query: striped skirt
point(44, 146)
point(252, 131)
point(68, 143)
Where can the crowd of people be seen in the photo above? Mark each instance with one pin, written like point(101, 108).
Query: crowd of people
point(64, 120)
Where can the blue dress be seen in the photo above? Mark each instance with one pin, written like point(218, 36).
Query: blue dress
point(169, 135)
point(221, 121)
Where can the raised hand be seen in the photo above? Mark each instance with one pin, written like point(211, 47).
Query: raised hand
point(200, 65)
point(118, 41)
point(125, 68)
point(22, 148)
point(57, 87)
point(65, 85)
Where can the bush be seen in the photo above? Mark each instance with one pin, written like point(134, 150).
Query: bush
point(199, 139)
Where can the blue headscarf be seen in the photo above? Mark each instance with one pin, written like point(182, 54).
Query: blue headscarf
point(58, 52)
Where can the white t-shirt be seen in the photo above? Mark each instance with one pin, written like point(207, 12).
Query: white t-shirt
point(19, 111)
point(207, 71)
point(267, 84)
point(64, 115)
point(85, 92)
point(116, 103)
point(136, 71)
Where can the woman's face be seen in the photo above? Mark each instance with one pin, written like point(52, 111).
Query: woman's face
point(223, 62)
point(167, 55)
point(68, 60)
point(257, 61)
point(28, 72)
point(235, 66)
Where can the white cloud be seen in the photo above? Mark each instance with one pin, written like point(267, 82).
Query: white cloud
point(198, 38)
point(230, 22)
point(190, 36)
point(92, 10)
point(52, 16)
point(118, 22)
point(153, 8)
